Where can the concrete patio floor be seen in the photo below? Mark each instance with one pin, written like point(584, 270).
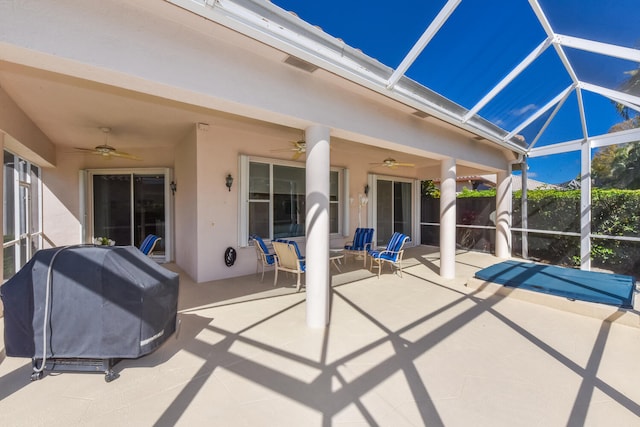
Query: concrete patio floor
point(411, 351)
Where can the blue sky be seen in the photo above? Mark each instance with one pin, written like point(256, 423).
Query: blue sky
point(480, 43)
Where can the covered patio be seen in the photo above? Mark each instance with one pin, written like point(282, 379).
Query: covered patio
point(417, 350)
point(208, 121)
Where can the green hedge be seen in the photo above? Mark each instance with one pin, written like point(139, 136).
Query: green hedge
point(613, 213)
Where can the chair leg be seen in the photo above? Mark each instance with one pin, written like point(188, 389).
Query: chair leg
point(379, 267)
point(262, 278)
point(298, 284)
point(364, 256)
point(400, 268)
point(275, 277)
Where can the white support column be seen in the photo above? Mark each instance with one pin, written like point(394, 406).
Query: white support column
point(317, 276)
point(503, 214)
point(585, 206)
point(448, 218)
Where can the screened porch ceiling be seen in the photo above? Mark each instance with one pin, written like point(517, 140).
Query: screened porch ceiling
point(535, 76)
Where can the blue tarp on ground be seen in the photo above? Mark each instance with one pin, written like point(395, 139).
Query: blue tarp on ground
point(605, 288)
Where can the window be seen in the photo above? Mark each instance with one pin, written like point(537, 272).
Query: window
point(276, 199)
point(22, 225)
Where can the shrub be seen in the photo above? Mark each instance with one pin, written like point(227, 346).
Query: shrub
point(613, 213)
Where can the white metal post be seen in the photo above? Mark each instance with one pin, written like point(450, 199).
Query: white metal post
point(585, 206)
point(524, 209)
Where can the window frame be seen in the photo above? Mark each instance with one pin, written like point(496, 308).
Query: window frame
point(26, 182)
point(244, 201)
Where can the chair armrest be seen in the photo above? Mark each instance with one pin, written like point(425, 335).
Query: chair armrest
point(390, 252)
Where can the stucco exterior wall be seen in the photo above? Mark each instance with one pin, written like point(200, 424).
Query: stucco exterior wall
point(34, 145)
point(205, 64)
point(185, 204)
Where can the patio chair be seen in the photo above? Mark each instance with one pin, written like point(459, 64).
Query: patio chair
point(295, 245)
point(288, 259)
point(361, 244)
point(391, 254)
point(149, 243)
point(265, 257)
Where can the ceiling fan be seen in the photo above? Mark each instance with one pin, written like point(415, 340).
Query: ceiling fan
point(106, 150)
point(298, 148)
point(392, 163)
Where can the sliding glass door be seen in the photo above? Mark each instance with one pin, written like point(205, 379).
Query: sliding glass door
point(128, 206)
point(393, 208)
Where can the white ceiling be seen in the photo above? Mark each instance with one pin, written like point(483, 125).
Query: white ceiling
point(71, 111)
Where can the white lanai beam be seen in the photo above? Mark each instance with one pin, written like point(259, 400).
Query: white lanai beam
point(598, 47)
point(538, 113)
point(611, 94)
point(626, 104)
point(547, 28)
point(423, 41)
point(508, 79)
point(622, 137)
point(549, 120)
point(583, 119)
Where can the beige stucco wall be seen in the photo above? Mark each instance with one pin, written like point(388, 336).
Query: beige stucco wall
point(61, 192)
point(207, 214)
point(206, 219)
point(186, 215)
point(23, 136)
point(218, 207)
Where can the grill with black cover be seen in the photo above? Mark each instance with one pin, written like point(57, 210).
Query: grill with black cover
point(86, 307)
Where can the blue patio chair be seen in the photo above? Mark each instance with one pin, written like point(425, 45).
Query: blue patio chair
point(295, 245)
point(265, 257)
point(149, 243)
point(391, 254)
point(361, 243)
point(288, 259)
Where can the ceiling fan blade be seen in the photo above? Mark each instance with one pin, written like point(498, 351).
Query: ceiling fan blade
point(88, 150)
point(281, 150)
point(410, 165)
point(296, 155)
point(123, 155)
point(107, 154)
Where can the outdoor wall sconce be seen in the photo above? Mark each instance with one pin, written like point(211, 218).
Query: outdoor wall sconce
point(228, 181)
point(173, 187)
point(366, 189)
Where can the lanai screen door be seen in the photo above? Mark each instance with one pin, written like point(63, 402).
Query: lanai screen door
point(128, 206)
point(393, 209)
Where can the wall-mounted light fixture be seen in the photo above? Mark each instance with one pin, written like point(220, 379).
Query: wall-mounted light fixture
point(366, 189)
point(228, 181)
point(173, 186)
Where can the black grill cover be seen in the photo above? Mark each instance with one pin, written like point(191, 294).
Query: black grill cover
point(104, 302)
